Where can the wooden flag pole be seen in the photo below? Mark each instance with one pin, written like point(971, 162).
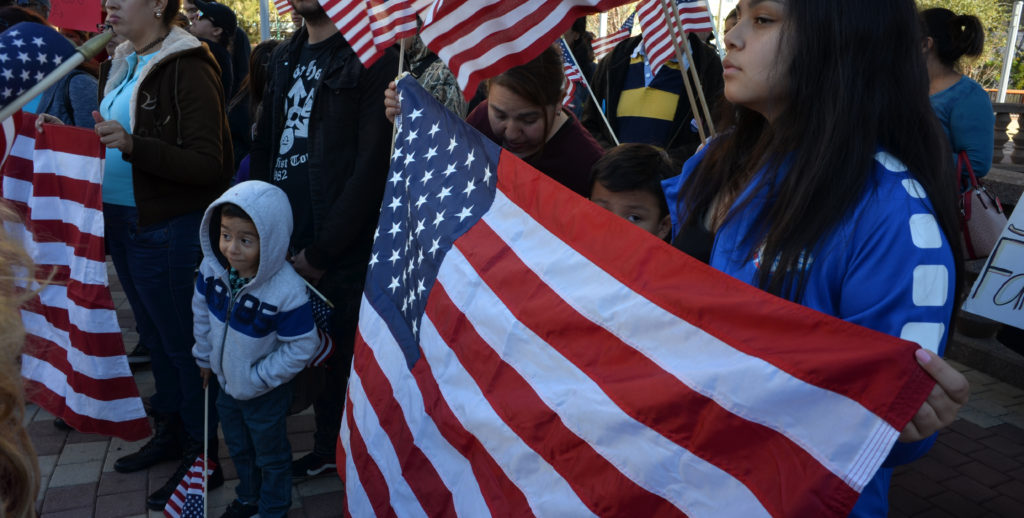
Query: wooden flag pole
point(86, 51)
point(679, 57)
point(206, 440)
point(593, 97)
point(693, 69)
point(401, 63)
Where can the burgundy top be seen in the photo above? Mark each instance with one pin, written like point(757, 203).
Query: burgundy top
point(567, 157)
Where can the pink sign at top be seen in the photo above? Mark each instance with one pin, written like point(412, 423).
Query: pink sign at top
point(82, 15)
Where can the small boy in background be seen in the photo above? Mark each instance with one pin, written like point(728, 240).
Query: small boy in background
point(627, 182)
point(253, 325)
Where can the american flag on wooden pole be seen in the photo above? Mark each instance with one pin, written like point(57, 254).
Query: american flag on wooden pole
point(572, 72)
point(603, 45)
point(73, 361)
point(657, 37)
point(482, 38)
point(522, 352)
point(189, 497)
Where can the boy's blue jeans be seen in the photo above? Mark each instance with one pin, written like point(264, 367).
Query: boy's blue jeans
point(256, 436)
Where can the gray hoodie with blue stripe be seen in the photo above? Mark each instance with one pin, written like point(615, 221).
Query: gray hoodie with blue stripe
point(263, 335)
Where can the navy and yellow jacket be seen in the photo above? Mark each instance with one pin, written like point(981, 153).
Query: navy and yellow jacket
point(610, 81)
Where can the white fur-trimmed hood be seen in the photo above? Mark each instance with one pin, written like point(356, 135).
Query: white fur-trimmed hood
point(178, 40)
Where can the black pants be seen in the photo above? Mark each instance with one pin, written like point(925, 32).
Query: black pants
point(345, 291)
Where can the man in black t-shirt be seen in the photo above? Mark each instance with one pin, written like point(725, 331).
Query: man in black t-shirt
point(324, 140)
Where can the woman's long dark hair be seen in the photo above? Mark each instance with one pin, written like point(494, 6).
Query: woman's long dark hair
point(856, 82)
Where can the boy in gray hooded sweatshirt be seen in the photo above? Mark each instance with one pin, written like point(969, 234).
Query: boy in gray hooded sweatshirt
point(253, 325)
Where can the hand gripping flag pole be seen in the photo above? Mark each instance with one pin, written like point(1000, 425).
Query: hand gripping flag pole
point(86, 51)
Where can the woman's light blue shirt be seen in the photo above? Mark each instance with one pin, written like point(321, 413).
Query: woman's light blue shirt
point(116, 105)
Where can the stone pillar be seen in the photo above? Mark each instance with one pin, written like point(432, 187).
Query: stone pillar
point(1001, 138)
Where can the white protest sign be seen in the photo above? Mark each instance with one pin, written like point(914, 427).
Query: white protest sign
point(998, 292)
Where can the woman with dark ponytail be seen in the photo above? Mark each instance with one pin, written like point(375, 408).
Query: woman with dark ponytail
point(830, 186)
point(962, 105)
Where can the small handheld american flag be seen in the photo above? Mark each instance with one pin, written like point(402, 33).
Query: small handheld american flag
point(605, 44)
point(187, 499)
point(323, 310)
point(571, 70)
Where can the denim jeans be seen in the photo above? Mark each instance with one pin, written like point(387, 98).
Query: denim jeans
point(159, 263)
point(256, 436)
point(119, 226)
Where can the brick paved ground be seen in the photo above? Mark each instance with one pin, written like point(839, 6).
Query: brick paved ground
point(975, 469)
point(977, 466)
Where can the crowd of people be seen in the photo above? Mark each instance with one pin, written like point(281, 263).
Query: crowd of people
point(837, 121)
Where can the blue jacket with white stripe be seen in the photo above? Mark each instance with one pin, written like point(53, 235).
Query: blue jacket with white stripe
point(886, 266)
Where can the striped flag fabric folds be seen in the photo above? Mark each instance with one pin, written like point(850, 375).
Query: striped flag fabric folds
point(521, 351)
point(187, 499)
point(571, 71)
point(482, 38)
point(605, 44)
point(74, 361)
point(371, 26)
point(352, 18)
point(657, 40)
point(283, 7)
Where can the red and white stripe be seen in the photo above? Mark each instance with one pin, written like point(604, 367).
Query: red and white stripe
point(352, 18)
point(324, 348)
point(191, 484)
point(74, 361)
point(657, 39)
point(391, 20)
point(283, 7)
point(604, 45)
point(483, 38)
point(371, 26)
point(510, 408)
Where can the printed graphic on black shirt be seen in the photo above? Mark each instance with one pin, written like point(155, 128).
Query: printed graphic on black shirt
point(294, 151)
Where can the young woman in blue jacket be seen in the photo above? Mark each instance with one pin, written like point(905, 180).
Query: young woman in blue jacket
point(831, 187)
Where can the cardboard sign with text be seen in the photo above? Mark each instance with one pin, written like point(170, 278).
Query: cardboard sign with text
point(81, 15)
point(998, 292)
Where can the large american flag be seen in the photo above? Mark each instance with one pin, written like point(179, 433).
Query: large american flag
point(657, 39)
point(605, 44)
point(74, 361)
point(521, 351)
point(479, 39)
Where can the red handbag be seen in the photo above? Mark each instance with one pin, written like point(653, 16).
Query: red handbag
point(982, 218)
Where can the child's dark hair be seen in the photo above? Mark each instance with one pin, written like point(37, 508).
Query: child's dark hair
point(634, 167)
point(954, 35)
point(234, 211)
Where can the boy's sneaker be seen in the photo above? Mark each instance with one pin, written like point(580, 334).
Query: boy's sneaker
point(140, 354)
point(312, 464)
point(239, 510)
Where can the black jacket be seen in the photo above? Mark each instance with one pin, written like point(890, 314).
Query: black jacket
point(610, 77)
point(349, 143)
